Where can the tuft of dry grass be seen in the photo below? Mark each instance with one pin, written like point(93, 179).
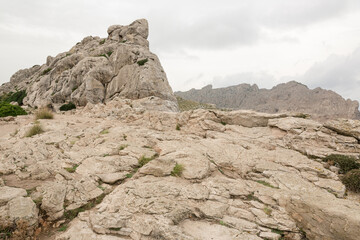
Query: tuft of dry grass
point(44, 113)
point(34, 130)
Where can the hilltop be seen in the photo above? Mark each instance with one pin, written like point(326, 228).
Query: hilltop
point(286, 97)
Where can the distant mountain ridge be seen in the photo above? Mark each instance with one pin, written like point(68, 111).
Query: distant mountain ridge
point(292, 96)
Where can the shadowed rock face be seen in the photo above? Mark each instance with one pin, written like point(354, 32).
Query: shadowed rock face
point(292, 96)
point(96, 70)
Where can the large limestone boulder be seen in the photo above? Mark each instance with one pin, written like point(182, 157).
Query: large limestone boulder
point(96, 70)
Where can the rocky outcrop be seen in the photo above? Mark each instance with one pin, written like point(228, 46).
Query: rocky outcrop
point(96, 70)
point(288, 97)
point(134, 172)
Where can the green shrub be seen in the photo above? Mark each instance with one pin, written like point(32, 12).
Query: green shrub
point(44, 113)
point(46, 71)
point(14, 97)
point(63, 228)
point(144, 160)
point(67, 107)
point(267, 211)
point(122, 147)
point(109, 53)
point(7, 109)
point(345, 163)
point(105, 131)
point(265, 183)
point(352, 180)
point(177, 171)
point(72, 169)
point(102, 42)
point(178, 127)
point(142, 62)
point(34, 130)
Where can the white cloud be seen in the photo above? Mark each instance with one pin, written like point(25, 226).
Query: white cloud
point(338, 72)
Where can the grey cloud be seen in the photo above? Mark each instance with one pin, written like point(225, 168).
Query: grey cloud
point(285, 14)
point(242, 24)
point(339, 73)
point(221, 30)
point(262, 79)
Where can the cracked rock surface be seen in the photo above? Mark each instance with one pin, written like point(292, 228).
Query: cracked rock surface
point(244, 175)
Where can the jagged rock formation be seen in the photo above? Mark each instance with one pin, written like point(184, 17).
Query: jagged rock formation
point(246, 175)
point(288, 97)
point(96, 70)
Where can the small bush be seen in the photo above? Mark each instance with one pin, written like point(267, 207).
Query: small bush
point(177, 171)
point(67, 107)
point(265, 183)
point(105, 131)
point(178, 127)
point(63, 228)
point(352, 180)
point(302, 115)
point(34, 130)
point(14, 97)
point(122, 147)
point(345, 163)
point(72, 169)
point(142, 62)
point(102, 42)
point(267, 211)
point(46, 71)
point(109, 53)
point(44, 113)
point(7, 109)
point(144, 160)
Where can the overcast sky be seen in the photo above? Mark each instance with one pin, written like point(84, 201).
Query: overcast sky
point(223, 43)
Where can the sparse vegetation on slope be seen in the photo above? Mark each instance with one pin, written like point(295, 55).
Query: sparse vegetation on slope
point(44, 113)
point(177, 171)
point(142, 62)
point(34, 130)
point(352, 180)
point(186, 105)
point(345, 163)
point(144, 160)
point(46, 71)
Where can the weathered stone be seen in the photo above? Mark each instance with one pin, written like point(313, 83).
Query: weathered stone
point(158, 167)
point(95, 71)
point(8, 193)
point(345, 127)
point(238, 181)
point(53, 196)
point(112, 177)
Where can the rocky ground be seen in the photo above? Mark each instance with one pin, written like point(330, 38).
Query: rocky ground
point(128, 171)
